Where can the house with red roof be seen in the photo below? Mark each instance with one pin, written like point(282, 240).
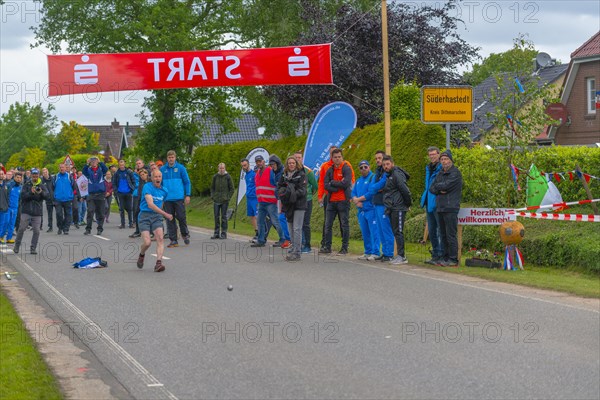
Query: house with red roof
point(580, 96)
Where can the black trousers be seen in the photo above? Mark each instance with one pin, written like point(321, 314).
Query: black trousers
point(449, 230)
point(220, 210)
point(50, 210)
point(64, 213)
point(341, 210)
point(177, 209)
point(136, 212)
point(96, 204)
point(397, 221)
point(306, 225)
point(125, 204)
point(75, 211)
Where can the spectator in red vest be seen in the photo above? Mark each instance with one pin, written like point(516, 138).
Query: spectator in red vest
point(267, 203)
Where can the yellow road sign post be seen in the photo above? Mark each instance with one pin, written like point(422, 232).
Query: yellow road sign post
point(447, 105)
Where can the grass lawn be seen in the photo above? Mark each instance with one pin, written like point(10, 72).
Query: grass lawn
point(23, 372)
point(574, 281)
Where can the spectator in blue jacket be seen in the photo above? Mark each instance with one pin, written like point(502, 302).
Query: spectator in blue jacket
point(64, 186)
point(4, 200)
point(14, 195)
point(94, 171)
point(179, 188)
point(367, 218)
point(428, 202)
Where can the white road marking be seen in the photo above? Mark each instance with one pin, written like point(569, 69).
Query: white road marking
point(164, 258)
point(113, 346)
point(101, 237)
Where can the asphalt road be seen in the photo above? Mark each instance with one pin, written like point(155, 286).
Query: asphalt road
point(322, 328)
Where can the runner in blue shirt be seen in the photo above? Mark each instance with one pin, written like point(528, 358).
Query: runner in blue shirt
point(150, 219)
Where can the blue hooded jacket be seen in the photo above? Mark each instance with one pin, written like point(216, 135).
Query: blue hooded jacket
point(428, 198)
point(176, 181)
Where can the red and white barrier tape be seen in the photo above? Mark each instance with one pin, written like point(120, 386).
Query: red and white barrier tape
point(562, 217)
point(572, 203)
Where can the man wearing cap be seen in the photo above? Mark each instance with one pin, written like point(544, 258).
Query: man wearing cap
point(34, 192)
point(448, 188)
point(367, 219)
point(267, 201)
point(95, 171)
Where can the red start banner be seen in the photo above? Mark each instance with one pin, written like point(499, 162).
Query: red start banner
point(89, 73)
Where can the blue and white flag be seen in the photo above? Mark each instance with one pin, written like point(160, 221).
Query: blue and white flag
point(331, 127)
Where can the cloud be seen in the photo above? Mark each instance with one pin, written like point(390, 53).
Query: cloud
point(16, 20)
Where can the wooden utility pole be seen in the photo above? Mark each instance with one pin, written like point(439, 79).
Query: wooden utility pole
point(386, 79)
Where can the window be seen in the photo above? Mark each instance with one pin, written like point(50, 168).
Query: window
point(591, 95)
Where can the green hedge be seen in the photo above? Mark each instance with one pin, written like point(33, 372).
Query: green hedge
point(409, 139)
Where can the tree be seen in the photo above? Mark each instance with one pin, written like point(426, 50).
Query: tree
point(512, 60)
point(25, 125)
point(27, 158)
point(74, 139)
point(424, 46)
point(405, 101)
point(519, 113)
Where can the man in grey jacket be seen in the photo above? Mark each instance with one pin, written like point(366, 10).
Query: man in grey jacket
point(448, 188)
point(397, 201)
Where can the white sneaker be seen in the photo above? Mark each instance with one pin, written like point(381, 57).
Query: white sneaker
point(364, 257)
point(372, 257)
point(399, 260)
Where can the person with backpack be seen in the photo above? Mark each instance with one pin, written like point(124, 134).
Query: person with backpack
point(64, 186)
point(367, 219)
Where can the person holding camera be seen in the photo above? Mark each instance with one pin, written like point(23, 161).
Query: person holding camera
point(33, 194)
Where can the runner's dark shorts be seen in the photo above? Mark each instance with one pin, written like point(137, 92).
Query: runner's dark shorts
point(150, 221)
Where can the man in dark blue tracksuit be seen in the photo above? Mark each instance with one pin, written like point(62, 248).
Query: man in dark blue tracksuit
point(94, 171)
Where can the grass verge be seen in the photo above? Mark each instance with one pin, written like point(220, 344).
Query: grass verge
point(575, 281)
point(23, 372)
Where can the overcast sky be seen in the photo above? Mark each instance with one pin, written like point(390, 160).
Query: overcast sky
point(556, 28)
